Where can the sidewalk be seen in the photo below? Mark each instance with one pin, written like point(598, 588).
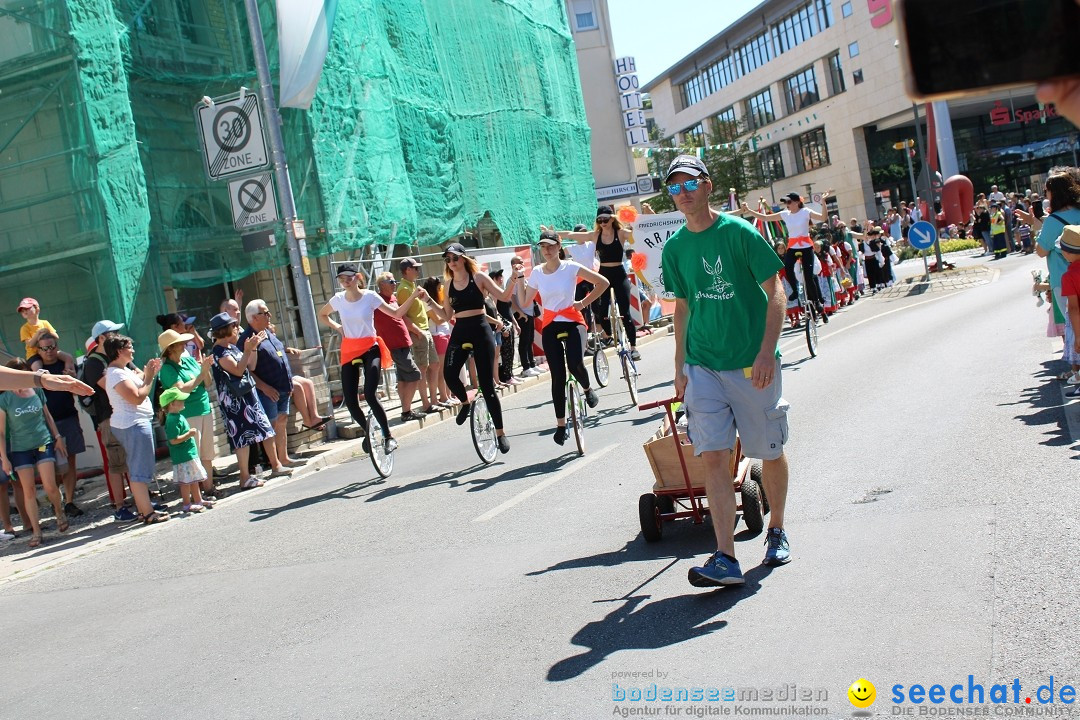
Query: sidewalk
point(96, 529)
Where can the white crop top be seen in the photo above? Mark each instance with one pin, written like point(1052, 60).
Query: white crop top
point(357, 317)
point(798, 225)
point(557, 288)
point(583, 254)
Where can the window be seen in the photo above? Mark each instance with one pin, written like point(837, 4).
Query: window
point(853, 49)
point(694, 136)
point(801, 90)
point(801, 25)
point(725, 126)
point(584, 15)
point(845, 9)
point(811, 151)
point(719, 74)
point(693, 90)
point(857, 77)
point(752, 54)
point(836, 75)
point(759, 109)
point(771, 163)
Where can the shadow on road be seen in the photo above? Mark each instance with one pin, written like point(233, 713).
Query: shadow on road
point(342, 493)
point(453, 479)
point(1046, 403)
point(637, 626)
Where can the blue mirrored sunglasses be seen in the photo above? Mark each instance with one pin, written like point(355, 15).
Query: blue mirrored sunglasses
point(676, 188)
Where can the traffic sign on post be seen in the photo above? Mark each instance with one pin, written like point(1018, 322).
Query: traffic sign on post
point(231, 132)
point(922, 235)
point(252, 201)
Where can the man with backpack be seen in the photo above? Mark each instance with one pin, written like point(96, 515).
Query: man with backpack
point(98, 408)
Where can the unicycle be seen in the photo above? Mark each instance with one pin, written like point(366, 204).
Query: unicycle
point(629, 369)
point(811, 314)
point(483, 430)
point(376, 438)
point(600, 366)
point(481, 426)
point(576, 407)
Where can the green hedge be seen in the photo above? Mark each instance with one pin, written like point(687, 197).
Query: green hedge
point(947, 246)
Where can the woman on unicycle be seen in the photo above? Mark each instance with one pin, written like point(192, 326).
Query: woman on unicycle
point(611, 240)
point(556, 281)
point(466, 287)
point(360, 346)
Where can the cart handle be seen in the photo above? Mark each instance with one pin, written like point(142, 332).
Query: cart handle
point(660, 403)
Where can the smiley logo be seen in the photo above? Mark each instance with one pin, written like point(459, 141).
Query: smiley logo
point(862, 693)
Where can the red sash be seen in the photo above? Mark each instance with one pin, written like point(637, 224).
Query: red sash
point(352, 348)
point(570, 313)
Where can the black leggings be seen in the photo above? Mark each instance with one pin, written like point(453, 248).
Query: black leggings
point(525, 342)
point(813, 292)
point(350, 385)
point(582, 289)
point(557, 362)
point(620, 283)
point(477, 331)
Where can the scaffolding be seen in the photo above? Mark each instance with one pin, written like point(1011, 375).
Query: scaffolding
point(431, 116)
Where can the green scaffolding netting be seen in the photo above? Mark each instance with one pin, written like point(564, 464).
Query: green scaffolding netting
point(432, 116)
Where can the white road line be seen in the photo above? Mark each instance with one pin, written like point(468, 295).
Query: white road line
point(802, 341)
point(526, 494)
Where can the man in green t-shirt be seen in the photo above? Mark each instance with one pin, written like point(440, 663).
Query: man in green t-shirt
point(423, 347)
point(729, 310)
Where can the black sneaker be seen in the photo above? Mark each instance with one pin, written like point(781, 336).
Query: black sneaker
point(71, 510)
point(411, 415)
point(463, 413)
point(504, 444)
point(366, 445)
point(560, 435)
point(591, 398)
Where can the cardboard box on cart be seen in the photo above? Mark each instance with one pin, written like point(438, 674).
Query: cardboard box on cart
point(664, 459)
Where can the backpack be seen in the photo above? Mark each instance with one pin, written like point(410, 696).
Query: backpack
point(90, 403)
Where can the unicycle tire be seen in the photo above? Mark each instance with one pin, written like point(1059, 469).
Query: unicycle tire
point(576, 418)
point(382, 461)
point(601, 368)
point(483, 431)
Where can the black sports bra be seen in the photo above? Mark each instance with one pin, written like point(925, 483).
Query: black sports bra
point(468, 299)
point(609, 253)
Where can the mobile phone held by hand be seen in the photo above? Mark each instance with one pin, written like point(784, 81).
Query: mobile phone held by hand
point(967, 47)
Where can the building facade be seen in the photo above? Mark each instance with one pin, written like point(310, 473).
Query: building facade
point(816, 87)
point(613, 169)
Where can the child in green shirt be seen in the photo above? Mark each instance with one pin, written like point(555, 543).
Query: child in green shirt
point(188, 471)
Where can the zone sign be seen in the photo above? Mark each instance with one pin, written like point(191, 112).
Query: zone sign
point(231, 133)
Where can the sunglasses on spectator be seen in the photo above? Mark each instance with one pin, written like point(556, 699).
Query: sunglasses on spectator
point(46, 348)
point(688, 185)
point(603, 220)
point(450, 258)
point(390, 282)
point(267, 313)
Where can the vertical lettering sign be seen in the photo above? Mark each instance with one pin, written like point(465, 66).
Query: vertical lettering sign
point(633, 116)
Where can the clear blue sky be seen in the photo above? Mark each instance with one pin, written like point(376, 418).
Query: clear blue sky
point(658, 39)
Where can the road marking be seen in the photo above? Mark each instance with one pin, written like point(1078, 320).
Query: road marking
point(802, 340)
point(526, 494)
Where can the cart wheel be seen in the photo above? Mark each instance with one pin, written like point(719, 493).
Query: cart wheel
point(652, 528)
point(753, 512)
point(666, 503)
point(755, 475)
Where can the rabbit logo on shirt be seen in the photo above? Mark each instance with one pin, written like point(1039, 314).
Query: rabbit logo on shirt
point(721, 289)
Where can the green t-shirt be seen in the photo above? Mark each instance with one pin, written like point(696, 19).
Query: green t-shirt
point(417, 312)
point(719, 273)
point(198, 402)
point(25, 420)
point(175, 426)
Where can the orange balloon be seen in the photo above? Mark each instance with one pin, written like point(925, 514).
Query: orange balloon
point(627, 214)
point(639, 261)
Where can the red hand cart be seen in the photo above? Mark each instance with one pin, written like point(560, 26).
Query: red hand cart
point(679, 491)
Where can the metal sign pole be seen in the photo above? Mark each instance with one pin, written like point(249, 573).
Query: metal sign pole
point(297, 254)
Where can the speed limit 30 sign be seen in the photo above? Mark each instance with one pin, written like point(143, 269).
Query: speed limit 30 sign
point(232, 136)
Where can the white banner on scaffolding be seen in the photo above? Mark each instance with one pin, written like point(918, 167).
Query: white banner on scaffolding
point(304, 28)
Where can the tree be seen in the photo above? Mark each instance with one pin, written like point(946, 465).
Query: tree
point(732, 163)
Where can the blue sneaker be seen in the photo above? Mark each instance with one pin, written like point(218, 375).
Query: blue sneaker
point(124, 515)
point(717, 571)
point(778, 551)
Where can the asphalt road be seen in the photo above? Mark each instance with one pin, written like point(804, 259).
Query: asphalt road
point(931, 515)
